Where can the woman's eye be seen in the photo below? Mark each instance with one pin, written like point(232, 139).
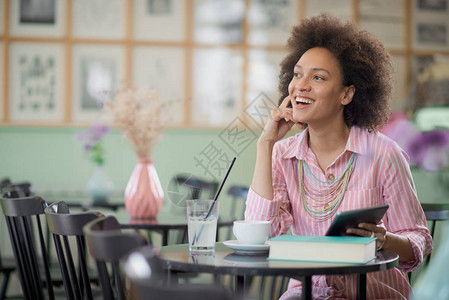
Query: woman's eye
point(296, 75)
point(317, 77)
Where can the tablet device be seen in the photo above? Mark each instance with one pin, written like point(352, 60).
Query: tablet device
point(351, 219)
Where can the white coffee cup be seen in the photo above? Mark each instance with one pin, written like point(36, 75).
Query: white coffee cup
point(251, 232)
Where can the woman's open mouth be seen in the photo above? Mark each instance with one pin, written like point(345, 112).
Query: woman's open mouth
point(301, 101)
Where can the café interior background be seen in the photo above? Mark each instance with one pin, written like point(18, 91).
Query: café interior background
point(215, 62)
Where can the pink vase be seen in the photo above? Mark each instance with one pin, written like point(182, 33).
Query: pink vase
point(143, 194)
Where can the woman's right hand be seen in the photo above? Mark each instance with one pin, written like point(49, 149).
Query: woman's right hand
point(279, 123)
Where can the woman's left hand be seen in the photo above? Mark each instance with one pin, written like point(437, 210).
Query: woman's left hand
point(371, 230)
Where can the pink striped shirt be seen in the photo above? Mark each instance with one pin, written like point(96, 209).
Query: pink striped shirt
point(381, 176)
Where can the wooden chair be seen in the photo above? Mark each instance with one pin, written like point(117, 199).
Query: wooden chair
point(107, 244)
point(26, 232)
point(148, 281)
point(435, 213)
point(6, 269)
point(266, 285)
point(238, 195)
point(62, 225)
point(197, 186)
point(24, 189)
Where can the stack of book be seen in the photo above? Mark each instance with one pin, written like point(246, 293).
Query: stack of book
point(335, 249)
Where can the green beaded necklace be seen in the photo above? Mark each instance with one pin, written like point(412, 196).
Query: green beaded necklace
point(321, 199)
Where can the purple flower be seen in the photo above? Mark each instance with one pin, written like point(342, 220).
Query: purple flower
point(91, 141)
point(427, 150)
point(92, 135)
point(430, 150)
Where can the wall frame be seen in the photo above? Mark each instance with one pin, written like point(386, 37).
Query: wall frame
point(380, 16)
point(341, 9)
point(162, 68)
point(431, 24)
point(104, 19)
point(166, 17)
point(270, 22)
point(36, 82)
point(37, 18)
point(216, 96)
point(160, 43)
point(263, 74)
point(2, 17)
point(97, 73)
point(2, 79)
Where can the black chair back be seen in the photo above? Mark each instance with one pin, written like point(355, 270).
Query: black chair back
point(62, 225)
point(197, 186)
point(238, 195)
point(107, 244)
point(23, 189)
point(26, 231)
point(435, 213)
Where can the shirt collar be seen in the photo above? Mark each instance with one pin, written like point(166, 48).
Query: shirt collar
point(298, 146)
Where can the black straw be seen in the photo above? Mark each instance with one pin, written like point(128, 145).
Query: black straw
point(220, 188)
point(197, 237)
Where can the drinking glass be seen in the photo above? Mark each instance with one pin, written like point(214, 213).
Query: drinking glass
point(202, 216)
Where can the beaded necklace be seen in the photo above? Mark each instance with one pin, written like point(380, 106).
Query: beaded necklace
point(321, 199)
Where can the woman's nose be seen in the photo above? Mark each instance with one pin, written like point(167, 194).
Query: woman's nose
point(302, 84)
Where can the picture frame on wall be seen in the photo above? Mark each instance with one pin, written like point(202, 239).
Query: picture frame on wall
point(430, 25)
point(218, 22)
point(2, 79)
point(380, 16)
point(37, 18)
point(270, 22)
point(216, 97)
point(263, 74)
point(36, 82)
point(399, 95)
point(104, 19)
point(97, 73)
point(161, 20)
point(2, 17)
point(341, 9)
point(162, 68)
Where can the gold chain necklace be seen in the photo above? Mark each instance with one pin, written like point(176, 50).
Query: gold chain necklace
point(321, 199)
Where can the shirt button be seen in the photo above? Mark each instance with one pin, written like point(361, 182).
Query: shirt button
point(330, 177)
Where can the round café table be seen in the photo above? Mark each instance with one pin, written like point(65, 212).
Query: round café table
point(165, 222)
point(243, 267)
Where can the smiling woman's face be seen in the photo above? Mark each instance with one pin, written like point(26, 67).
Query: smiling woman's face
point(316, 90)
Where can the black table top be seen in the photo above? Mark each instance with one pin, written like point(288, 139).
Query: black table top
point(165, 220)
point(226, 261)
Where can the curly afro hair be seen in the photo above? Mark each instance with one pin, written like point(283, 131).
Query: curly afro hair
point(364, 62)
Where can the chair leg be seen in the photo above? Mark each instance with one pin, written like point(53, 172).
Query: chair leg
point(6, 275)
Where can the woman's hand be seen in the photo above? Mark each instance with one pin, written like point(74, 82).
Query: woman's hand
point(371, 230)
point(279, 124)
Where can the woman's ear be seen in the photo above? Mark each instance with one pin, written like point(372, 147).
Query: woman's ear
point(349, 93)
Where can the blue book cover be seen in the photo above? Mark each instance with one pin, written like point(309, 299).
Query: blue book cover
point(322, 239)
point(331, 249)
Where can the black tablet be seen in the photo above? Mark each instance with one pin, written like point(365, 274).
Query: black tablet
point(351, 219)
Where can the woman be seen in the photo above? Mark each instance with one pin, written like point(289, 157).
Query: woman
point(336, 84)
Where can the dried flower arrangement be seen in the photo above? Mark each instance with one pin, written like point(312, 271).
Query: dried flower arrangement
point(138, 114)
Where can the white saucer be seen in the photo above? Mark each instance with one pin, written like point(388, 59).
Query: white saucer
point(246, 249)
